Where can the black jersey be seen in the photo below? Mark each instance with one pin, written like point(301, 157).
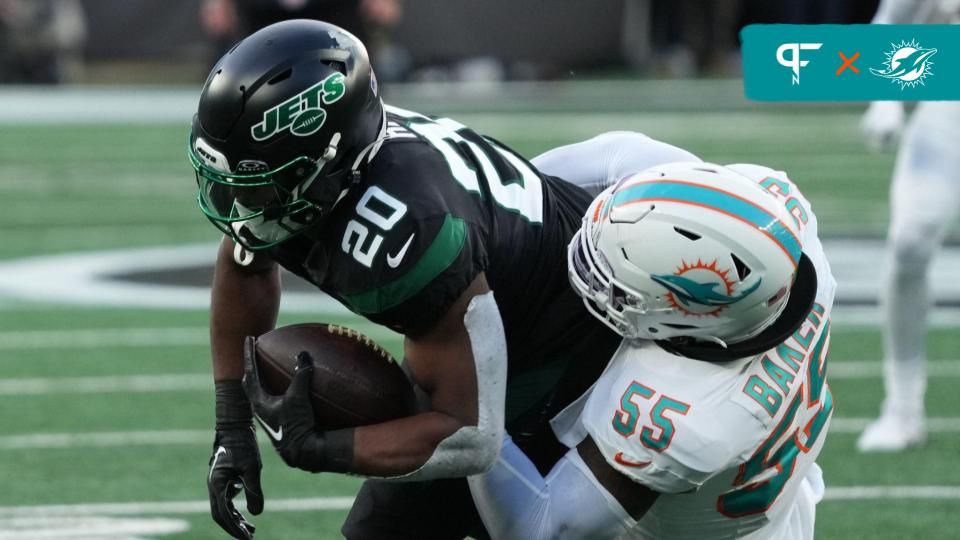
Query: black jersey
point(437, 205)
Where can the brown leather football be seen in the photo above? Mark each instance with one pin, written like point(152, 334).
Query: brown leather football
point(355, 381)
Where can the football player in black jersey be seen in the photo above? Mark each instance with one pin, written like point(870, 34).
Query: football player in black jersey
point(410, 222)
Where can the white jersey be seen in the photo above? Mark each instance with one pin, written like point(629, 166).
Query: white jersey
point(726, 444)
point(917, 12)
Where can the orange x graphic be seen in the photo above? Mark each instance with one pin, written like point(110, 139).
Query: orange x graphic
point(848, 63)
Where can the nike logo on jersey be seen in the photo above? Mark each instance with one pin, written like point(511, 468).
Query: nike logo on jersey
point(627, 463)
point(275, 435)
point(393, 261)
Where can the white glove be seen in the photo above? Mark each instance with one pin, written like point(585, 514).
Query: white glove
point(881, 125)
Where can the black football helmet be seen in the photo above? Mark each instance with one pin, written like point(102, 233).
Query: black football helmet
point(285, 119)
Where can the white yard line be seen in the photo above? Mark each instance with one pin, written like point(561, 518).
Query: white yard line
point(343, 503)
point(202, 382)
point(106, 338)
point(198, 382)
point(173, 507)
point(856, 425)
point(32, 441)
point(37, 527)
point(859, 493)
point(37, 441)
point(179, 382)
point(94, 338)
point(867, 369)
point(89, 278)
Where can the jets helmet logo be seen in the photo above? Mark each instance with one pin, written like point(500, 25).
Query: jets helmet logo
point(302, 114)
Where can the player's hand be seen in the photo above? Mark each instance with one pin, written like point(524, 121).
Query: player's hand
point(287, 419)
point(235, 465)
point(881, 125)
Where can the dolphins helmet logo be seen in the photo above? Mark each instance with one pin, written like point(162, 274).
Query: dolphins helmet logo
point(907, 64)
point(694, 288)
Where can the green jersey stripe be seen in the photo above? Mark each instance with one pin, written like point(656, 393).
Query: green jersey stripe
point(444, 250)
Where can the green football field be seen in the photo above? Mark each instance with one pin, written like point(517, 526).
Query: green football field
point(107, 412)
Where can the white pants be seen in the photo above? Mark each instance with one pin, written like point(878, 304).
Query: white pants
point(924, 198)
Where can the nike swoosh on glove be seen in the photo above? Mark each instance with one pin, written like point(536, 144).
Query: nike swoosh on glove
point(287, 419)
point(235, 466)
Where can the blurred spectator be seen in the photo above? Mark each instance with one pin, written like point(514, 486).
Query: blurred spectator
point(227, 21)
point(41, 41)
point(389, 58)
point(829, 11)
point(694, 37)
point(697, 37)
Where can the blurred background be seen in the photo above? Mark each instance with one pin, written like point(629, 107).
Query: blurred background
point(151, 41)
point(105, 260)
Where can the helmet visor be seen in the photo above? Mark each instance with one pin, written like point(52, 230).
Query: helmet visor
point(262, 209)
point(621, 307)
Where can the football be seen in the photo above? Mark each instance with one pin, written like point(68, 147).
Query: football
point(355, 381)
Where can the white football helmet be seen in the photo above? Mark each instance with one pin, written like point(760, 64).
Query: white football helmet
point(690, 250)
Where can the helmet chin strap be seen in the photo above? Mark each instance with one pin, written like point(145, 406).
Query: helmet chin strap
point(365, 154)
point(368, 151)
point(371, 149)
point(329, 153)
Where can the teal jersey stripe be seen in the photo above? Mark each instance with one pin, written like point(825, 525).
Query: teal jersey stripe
point(707, 197)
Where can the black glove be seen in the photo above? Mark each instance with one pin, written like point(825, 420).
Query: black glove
point(235, 463)
point(289, 419)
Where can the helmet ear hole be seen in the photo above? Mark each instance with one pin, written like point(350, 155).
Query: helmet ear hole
point(742, 269)
point(688, 234)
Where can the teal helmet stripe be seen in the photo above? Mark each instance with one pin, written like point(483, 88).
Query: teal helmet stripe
point(713, 199)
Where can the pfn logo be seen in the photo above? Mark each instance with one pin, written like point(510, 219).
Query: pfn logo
point(794, 62)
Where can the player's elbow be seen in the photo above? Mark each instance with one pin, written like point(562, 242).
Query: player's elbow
point(471, 450)
point(487, 450)
point(482, 449)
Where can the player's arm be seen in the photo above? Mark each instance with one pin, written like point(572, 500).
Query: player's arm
point(437, 296)
point(581, 497)
point(597, 163)
point(244, 301)
point(460, 362)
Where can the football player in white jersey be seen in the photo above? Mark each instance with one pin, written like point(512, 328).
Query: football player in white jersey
point(708, 420)
point(924, 198)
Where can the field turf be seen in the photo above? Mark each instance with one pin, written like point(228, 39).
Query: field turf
point(77, 428)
